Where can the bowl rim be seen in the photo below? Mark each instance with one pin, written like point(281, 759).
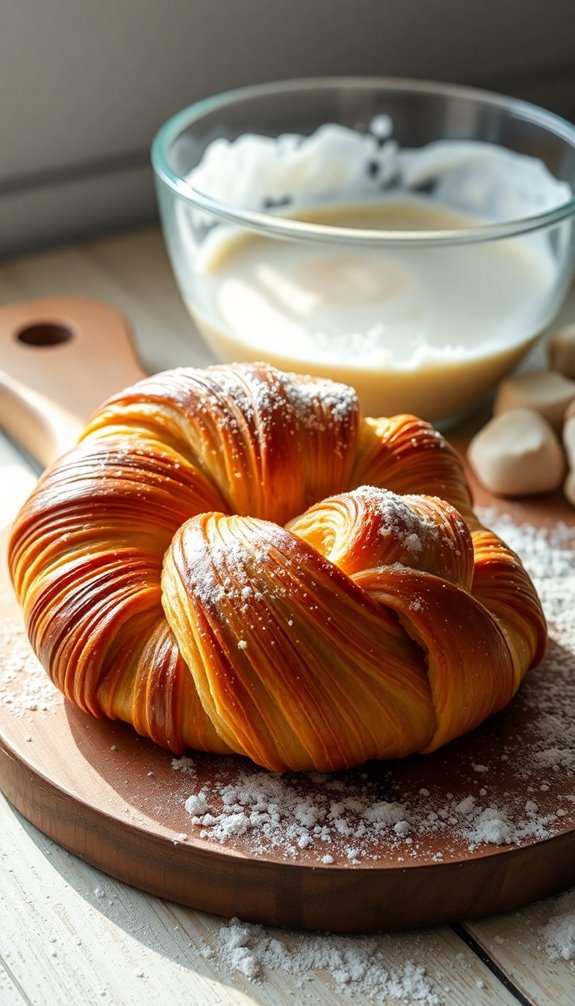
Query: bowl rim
point(287, 227)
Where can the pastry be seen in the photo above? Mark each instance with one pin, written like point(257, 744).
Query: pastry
point(234, 560)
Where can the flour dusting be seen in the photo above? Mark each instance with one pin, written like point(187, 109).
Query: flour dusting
point(356, 965)
point(559, 932)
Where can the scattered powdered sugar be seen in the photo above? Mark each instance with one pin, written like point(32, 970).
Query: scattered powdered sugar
point(305, 396)
point(294, 813)
point(398, 518)
point(24, 686)
point(356, 964)
point(548, 556)
point(343, 819)
point(231, 572)
point(559, 932)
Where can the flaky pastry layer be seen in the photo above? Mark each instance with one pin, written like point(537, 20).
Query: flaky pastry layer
point(234, 560)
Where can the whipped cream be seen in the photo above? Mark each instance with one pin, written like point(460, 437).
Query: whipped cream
point(257, 172)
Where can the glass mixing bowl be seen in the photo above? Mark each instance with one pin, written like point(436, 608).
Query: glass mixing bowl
point(412, 239)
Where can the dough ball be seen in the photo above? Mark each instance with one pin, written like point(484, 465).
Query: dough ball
point(569, 488)
point(569, 445)
point(569, 436)
point(561, 351)
point(544, 391)
point(569, 412)
point(517, 453)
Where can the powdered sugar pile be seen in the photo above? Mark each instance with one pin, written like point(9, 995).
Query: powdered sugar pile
point(356, 965)
point(292, 813)
point(559, 933)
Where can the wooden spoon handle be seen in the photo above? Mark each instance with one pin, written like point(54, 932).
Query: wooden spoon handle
point(60, 358)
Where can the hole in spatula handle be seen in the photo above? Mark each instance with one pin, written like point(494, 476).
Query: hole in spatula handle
point(45, 333)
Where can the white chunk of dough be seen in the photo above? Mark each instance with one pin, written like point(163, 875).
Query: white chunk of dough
point(569, 445)
point(569, 412)
point(569, 437)
point(569, 488)
point(561, 351)
point(517, 453)
point(544, 391)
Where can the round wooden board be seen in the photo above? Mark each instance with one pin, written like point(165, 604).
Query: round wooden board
point(118, 802)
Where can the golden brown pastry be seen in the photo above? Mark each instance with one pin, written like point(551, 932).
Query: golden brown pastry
point(233, 560)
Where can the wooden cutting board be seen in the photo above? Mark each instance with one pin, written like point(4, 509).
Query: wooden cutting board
point(119, 802)
point(60, 357)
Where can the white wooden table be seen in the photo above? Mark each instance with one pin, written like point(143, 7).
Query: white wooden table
point(69, 934)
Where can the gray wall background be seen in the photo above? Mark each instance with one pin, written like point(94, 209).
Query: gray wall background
point(84, 84)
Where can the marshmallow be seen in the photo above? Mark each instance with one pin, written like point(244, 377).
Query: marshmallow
point(569, 445)
point(545, 391)
point(561, 351)
point(517, 453)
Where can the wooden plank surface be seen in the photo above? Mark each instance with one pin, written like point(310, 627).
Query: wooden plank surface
point(523, 945)
point(70, 934)
point(94, 935)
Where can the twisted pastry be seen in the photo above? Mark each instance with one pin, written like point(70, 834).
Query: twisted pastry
point(233, 560)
